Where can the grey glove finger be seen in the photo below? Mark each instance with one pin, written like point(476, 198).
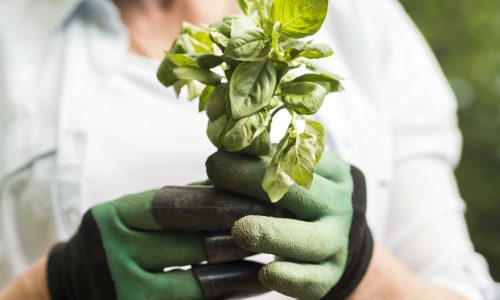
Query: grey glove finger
point(302, 281)
point(290, 238)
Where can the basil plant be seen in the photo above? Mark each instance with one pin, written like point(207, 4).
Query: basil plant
point(239, 69)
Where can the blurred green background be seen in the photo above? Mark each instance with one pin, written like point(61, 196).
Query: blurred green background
point(465, 36)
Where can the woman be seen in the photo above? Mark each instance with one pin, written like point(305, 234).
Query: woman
point(83, 121)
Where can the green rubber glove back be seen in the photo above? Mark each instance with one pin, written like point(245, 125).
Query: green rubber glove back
point(312, 249)
point(137, 251)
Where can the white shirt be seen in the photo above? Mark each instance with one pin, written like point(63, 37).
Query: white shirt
point(83, 121)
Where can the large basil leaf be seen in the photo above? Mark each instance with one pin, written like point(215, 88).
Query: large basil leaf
point(251, 88)
point(331, 84)
point(305, 98)
point(216, 102)
point(215, 129)
point(192, 73)
point(299, 18)
point(242, 132)
point(249, 45)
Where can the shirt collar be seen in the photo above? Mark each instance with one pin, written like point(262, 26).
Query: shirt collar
point(103, 11)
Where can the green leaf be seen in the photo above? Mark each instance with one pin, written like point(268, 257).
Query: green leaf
point(219, 39)
point(249, 45)
point(251, 87)
point(216, 102)
point(314, 51)
point(178, 85)
point(304, 152)
point(300, 18)
point(201, 75)
point(199, 38)
point(314, 128)
point(215, 129)
point(246, 6)
point(194, 89)
point(331, 84)
point(276, 181)
point(205, 95)
point(183, 59)
point(275, 102)
point(305, 98)
point(165, 73)
point(275, 35)
point(220, 32)
point(260, 146)
point(208, 61)
point(242, 132)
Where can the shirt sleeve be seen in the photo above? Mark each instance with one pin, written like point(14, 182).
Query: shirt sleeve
point(426, 225)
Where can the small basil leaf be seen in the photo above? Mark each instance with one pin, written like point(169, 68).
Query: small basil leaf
point(275, 35)
point(300, 159)
point(315, 129)
point(191, 73)
point(331, 84)
point(276, 181)
point(178, 85)
point(194, 89)
point(216, 102)
point(251, 88)
point(300, 18)
point(208, 61)
point(184, 60)
point(199, 38)
point(249, 45)
point(215, 129)
point(305, 98)
point(205, 95)
point(294, 47)
point(314, 51)
point(246, 7)
point(165, 73)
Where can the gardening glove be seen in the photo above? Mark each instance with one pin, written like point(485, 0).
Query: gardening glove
point(325, 250)
point(122, 247)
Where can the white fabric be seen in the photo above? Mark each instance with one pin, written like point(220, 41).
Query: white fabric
point(82, 121)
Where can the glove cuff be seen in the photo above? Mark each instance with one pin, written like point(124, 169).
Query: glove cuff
point(355, 271)
point(360, 248)
point(78, 272)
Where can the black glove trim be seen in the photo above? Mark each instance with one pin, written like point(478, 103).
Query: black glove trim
point(360, 248)
point(233, 280)
point(77, 272)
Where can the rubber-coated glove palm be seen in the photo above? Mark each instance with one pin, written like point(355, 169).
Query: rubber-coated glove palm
point(122, 247)
point(325, 250)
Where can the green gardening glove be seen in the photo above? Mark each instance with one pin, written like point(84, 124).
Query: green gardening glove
point(122, 247)
point(325, 250)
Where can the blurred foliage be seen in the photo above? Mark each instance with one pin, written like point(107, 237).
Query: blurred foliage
point(465, 36)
